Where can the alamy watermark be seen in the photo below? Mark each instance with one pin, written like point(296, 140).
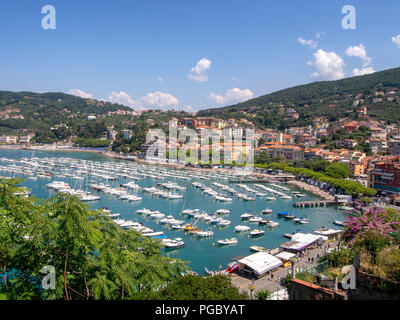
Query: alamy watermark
point(49, 280)
point(49, 20)
point(349, 280)
point(349, 20)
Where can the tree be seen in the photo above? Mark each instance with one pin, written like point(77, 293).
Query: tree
point(191, 287)
point(92, 256)
point(338, 170)
point(262, 294)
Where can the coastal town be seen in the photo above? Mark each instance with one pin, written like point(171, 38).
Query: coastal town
point(226, 153)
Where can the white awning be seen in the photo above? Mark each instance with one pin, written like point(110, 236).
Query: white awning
point(261, 262)
point(299, 241)
point(285, 256)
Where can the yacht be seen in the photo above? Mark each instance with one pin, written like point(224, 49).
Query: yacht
point(228, 241)
point(173, 243)
point(224, 223)
point(257, 232)
point(246, 216)
point(266, 211)
point(255, 219)
point(242, 228)
point(339, 223)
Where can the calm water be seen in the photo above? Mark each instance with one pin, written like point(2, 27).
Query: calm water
point(199, 253)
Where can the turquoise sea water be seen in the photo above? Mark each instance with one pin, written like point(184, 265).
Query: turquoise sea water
point(199, 253)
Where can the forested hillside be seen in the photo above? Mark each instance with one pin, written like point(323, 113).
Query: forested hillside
point(379, 92)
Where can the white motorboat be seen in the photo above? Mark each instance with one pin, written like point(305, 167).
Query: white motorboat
point(246, 216)
point(257, 232)
point(223, 211)
point(228, 241)
point(258, 249)
point(339, 223)
point(204, 233)
point(242, 228)
point(224, 223)
point(173, 243)
point(266, 211)
point(255, 219)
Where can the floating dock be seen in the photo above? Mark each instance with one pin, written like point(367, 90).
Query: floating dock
point(310, 204)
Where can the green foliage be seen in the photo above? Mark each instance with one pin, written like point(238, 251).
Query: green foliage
point(306, 276)
point(330, 99)
point(338, 170)
point(347, 186)
point(373, 243)
point(92, 143)
point(192, 287)
point(287, 280)
point(262, 294)
point(93, 257)
point(339, 258)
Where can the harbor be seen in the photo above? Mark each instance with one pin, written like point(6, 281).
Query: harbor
point(190, 211)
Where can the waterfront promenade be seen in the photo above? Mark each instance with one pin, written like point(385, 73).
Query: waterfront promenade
point(272, 281)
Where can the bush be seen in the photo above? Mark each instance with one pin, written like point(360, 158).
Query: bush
point(262, 294)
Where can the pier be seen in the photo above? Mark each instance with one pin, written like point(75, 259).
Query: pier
point(249, 180)
point(310, 204)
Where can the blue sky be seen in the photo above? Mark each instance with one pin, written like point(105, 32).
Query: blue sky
point(141, 53)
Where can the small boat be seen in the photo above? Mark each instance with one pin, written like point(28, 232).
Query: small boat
point(177, 226)
point(339, 223)
point(304, 221)
point(301, 220)
point(258, 249)
point(282, 214)
point(204, 233)
point(223, 211)
point(255, 219)
point(232, 267)
point(173, 243)
point(345, 208)
point(290, 216)
point(257, 232)
point(272, 224)
point(228, 241)
point(270, 198)
point(224, 223)
point(266, 211)
point(242, 228)
point(246, 216)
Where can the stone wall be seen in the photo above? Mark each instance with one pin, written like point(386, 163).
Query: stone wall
point(368, 287)
point(302, 290)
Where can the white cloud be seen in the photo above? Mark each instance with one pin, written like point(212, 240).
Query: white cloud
point(122, 98)
point(363, 71)
point(396, 40)
point(159, 99)
point(151, 100)
point(360, 52)
point(305, 42)
point(160, 79)
point(80, 93)
point(320, 34)
point(234, 79)
point(233, 95)
point(188, 108)
point(198, 72)
point(327, 65)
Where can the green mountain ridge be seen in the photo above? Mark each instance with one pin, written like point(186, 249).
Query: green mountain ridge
point(332, 99)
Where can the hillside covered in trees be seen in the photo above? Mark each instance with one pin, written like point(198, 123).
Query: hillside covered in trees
point(379, 92)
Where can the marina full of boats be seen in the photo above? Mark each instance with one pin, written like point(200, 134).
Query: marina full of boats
point(198, 216)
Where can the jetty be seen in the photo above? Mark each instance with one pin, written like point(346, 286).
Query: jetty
point(249, 180)
point(310, 204)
